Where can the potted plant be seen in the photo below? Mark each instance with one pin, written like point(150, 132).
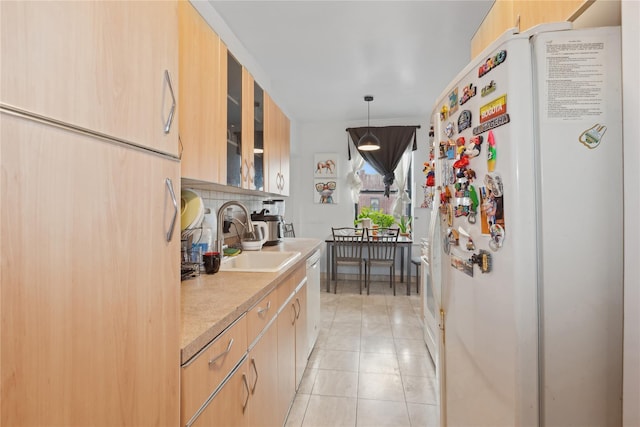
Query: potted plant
point(404, 225)
point(378, 218)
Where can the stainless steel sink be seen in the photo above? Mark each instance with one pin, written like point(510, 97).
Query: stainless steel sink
point(259, 261)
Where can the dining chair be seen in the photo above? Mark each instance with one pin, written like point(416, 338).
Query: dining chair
point(382, 252)
point(347, 247)
point(288, 230)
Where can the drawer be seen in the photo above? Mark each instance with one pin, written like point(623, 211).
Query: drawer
point(260, 315)
point(288, 285)
point(200, 377)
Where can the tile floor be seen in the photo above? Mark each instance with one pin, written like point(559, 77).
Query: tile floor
point(370, 365)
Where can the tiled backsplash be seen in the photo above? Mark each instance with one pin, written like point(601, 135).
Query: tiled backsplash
point(214, 199)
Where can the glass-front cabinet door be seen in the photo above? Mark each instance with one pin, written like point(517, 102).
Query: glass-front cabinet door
point(258, 137)
point(234, 122)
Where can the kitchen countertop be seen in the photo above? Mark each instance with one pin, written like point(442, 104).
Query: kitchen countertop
point(212, 302)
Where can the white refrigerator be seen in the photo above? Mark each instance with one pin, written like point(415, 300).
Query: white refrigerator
point(526, 234)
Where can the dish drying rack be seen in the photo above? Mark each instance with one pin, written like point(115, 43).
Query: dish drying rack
point(190, 256)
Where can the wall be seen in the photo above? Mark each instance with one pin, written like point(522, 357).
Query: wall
point(315, 220)
point(631, 106)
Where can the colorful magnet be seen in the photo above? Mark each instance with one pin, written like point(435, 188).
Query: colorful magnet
point(453, 101)
point(444, 113)
point(449, 129)
point(488, 89)
point(464, 121)
point(473, 195)
point(492, 63)
point(492, 124)
point(473, 149)
point(591, 137)
point(464, 265)
point(451, 149)
point(470, 246)
point(468, 92)
point(492, 203)
point(493, 109)
point(492, 152)
point(484, 260)
point(497, 237)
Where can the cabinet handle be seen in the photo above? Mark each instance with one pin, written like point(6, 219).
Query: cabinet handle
point(295, 314)
point(246, 385)
point(167, 126)
point(255, 369)
point(263, 310)
point(245, 168)
point(224, 353)
point(169, 185)
point(299, 308)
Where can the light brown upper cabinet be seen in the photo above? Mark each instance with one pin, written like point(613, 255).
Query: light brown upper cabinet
point(245, 148)
point(505, 14)
point(203, 98)
point(236, 123)
point(107, 67)
point(258, 137)
point(276, 148)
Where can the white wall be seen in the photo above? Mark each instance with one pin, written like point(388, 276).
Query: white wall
point(631, 94)
point(315, 220)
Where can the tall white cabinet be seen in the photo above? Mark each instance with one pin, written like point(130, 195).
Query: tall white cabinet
point(89, 270)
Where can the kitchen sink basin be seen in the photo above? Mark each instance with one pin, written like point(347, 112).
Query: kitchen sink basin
point(259, 261)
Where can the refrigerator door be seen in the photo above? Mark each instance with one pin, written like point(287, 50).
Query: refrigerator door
point(488, 356)
point(578, 86)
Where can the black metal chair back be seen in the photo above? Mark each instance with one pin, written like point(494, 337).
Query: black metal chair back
point(347, 246)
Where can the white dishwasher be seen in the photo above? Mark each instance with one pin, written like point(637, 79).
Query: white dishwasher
point(313, 298)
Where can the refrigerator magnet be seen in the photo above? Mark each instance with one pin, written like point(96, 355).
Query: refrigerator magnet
point(449, 129)
point(473, 148)
point(461, 264)
point(497, 237)
point(488, 89)
point(444, 113)
point(468, 92)
point(492, 152)
point(464, 120)
point(484, 260)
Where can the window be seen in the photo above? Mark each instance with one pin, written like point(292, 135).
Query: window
point(372, 192)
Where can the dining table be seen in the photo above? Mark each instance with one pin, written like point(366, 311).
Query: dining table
point(404, 244)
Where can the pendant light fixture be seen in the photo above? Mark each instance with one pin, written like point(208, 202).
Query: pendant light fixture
point(368, 142)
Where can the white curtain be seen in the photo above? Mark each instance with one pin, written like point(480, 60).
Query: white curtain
point(401, 172)
point(354, 183)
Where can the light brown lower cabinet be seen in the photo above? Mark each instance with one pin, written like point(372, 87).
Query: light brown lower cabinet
point(301, 331)
point(286, 353)
point(229, 407)
point(263, 380)
point(260, 390)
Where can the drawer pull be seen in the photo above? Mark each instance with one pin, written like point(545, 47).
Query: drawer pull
point(295, 313)
point(224, 353)
point(246, 386)
point(167, 125)
point(169, 185)
point(263, 310)
point(299, 308)
point(255, 369)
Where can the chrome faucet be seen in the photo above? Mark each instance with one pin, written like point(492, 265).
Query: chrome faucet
point(220, 234)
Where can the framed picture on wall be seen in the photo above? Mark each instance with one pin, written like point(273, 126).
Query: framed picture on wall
point(325, 191)
point(325, 165)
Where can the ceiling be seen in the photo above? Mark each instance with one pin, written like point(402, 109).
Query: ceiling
point(323, 57)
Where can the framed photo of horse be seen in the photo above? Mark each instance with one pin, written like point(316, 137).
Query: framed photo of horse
point(325, 165)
